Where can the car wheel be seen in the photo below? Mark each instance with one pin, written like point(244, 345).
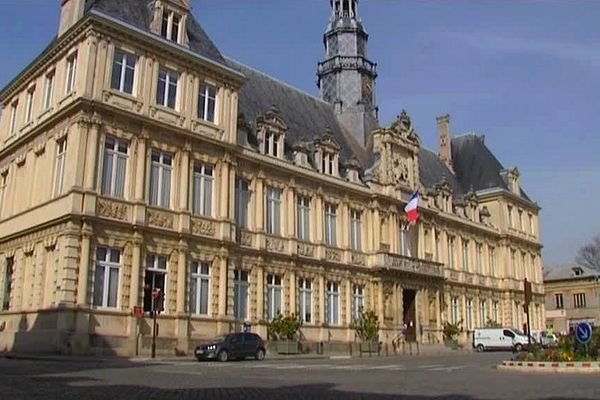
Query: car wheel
point(260, 355)
point(223, 356)
point(518, 347)
point(480, 348)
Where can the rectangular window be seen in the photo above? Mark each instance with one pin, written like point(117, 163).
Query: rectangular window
point(166, 92)
point(123, 72)
point(328, 163)
point(242, 202)
point(524, 266)
point(273, 296)
point(558, 301)
point(496, 311)
point(200, 288)
point(438, 251)
point(333, 303)
point(12, 122)
point(71, 73)
point(469, 315)
point(521, 222)
point(8, 277)
point(59, 171)
point(455, 311)
point(358, 302)
point(355, 230)
point(271, 145)
point(303, 218)
point(106, 278)
point(479, 258)
point(155, 280)
point(29, 104)
point(492, 256)
point(202, 188)
point(305, 303)
point(49, 90)
point(114, 165)
point(170, 26)
point(482, 313)
point(207, 100)
point(3, 183)
point(465, 246)
point(160, 178)
point(451, 252)
point(579, 300)
point(240, 295)
point(513, 263)
point(531, 228)
point(330, 224)
point(273, 211)
point(510, 217)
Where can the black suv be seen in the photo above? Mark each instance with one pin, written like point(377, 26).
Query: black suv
point(232, 346)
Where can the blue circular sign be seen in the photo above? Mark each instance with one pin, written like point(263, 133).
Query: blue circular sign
point(583, 332)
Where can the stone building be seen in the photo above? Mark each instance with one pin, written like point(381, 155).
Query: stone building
point(136, 159)
point(572, 297)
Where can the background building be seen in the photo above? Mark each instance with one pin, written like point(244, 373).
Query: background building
point(135, 158)
point(572, 296)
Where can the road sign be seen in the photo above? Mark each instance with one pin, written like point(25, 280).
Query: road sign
point(583, 332)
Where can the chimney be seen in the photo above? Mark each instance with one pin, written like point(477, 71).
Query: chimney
point(71, 11)
point(443, 125)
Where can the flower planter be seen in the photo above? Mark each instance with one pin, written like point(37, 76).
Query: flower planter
point(288, 347)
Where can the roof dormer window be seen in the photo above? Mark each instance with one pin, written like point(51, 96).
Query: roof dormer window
point(272, 144)
point(271, 133)
point(327, 166)
point(327, 155)
point(170, 25)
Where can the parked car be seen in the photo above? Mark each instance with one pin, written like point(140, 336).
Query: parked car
point(231, 347)
point(545, 338)
point(500, 339)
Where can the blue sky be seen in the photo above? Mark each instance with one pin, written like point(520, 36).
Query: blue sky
point(524, 73)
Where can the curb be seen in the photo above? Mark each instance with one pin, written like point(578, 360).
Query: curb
point(584, 367)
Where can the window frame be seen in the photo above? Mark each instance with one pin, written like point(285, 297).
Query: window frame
point(330, 236)
point(201, 204)
point(59, 167)
point(71, 74)
point(559, 301)
point(204, 98)
point(274, 293)
point(303, 218)
point(579, 300)
point(305, 292)
point(125, 58)
point(240, 283)
point(153, 265)
point(242, 202)
point(169, 20)
point(116, 154)
point(358, 301)
point(162, 167)
point(49, 81)
point(108, 267)
point(333, 303)
point(196, 297)
point(29, 104)
point(12, 121)
point(273, 211)
point(356, 229)
point(171, 79)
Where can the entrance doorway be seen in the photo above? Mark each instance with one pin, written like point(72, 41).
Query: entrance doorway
point(409, 313)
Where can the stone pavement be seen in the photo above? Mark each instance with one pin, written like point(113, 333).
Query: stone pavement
point(464, 376)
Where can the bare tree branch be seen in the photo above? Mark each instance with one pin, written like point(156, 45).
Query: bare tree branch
point(589, 255)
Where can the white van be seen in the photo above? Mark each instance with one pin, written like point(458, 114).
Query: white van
point(499, 338)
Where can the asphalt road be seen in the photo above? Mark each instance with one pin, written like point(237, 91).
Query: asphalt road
point(461, 376)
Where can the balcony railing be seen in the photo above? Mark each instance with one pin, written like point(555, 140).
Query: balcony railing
point(408, 264)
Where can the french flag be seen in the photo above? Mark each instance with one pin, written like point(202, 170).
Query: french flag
point(412, 209)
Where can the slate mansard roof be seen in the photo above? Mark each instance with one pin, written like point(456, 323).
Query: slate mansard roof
point(309, 118)
point(569, 272)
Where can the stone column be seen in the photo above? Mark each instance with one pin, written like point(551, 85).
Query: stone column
point(376, 231)
point(222, 308)
point(345, 226)
point(380, 305)
point(318, 220)
point(289, 216)
point(91, 166)
point(292, 298)
point(260, 293)
point(322, 300)
point(259, 199)
point(182, 268)
point(140, 168)
point(136, 269)
point(348, 304)
point(184, 178)
point(223, 188)
point(84, 265)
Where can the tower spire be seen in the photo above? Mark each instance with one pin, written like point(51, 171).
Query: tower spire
point(346, 77)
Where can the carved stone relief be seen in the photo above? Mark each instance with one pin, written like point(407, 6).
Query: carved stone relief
point(111, 209)
point(204, 228)
point(160, 219)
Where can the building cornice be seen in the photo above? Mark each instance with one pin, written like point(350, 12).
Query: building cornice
point(497, 191)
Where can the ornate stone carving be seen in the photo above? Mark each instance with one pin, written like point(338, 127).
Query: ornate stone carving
point(160, 219)
point(306, 250)
point(246, 239)
point(454, 275)
point(399, 170)
point(204, 228)
point(357, 259)
point(274, 244)
point(333, 255)
point(111, 209)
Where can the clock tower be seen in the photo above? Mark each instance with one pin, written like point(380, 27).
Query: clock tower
point(347, 76)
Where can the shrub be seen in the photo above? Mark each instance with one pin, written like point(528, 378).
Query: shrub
point(367, 326)
point(284, 327)
point(451, 331)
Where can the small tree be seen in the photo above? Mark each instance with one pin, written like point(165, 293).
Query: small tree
point(589, 255)
point(284, 327)
point(490, 323)
point(451, 331)
point(367, 326)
